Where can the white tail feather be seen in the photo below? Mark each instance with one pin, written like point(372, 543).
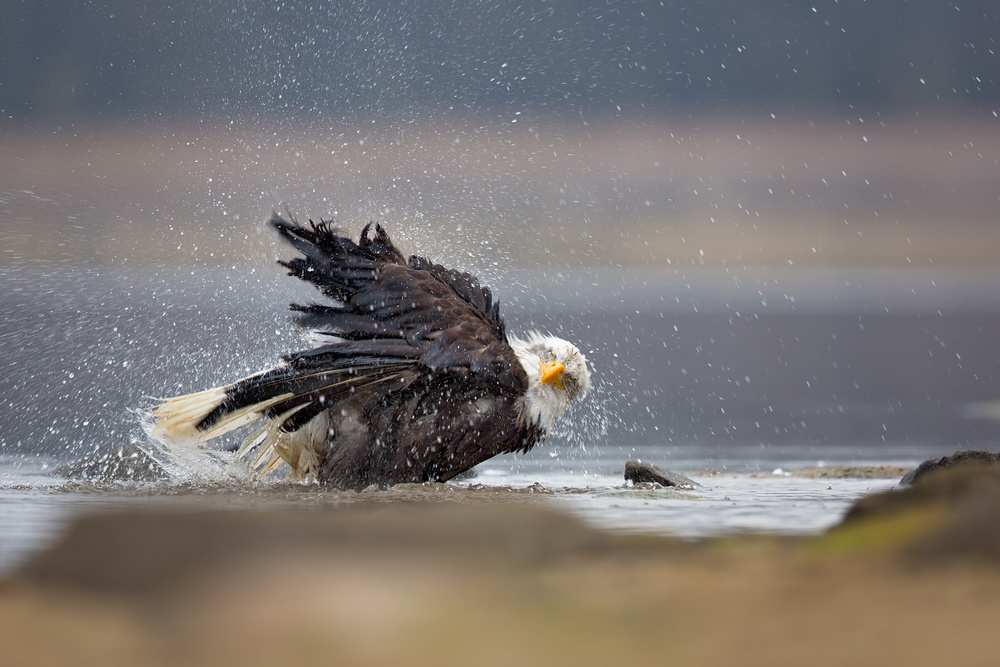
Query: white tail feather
point(302, 450)
point(178, 418)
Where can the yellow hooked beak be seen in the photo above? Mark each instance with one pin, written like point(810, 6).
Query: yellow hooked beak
point(551, 372)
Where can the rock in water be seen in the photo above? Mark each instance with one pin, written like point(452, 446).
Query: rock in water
point(638, 472)
point(969, 456)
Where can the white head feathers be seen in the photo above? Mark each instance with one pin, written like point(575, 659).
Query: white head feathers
point(557, 373)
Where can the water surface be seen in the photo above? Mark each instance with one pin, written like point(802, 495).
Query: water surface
point(741, 373)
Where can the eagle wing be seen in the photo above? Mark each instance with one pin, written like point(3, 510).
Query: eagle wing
point(445, 314)
point(396, 324)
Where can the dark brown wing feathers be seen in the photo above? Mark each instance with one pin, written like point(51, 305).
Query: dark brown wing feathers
point(422, 347)
point(446, 314)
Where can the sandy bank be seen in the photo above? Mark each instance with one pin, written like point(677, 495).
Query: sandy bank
point(484, 583)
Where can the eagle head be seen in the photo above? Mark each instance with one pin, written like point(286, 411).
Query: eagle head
point(557, 374)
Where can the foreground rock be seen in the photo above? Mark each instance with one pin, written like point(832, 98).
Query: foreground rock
point(967, 457)
point(440, 583)
point(638, 472)
point(950, 514)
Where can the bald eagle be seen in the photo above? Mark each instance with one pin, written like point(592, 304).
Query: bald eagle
point(414, 377)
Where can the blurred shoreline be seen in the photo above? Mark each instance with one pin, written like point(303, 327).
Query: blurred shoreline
point(655, 191)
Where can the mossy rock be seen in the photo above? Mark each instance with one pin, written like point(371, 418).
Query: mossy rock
point(953, 513)
point(966, 457)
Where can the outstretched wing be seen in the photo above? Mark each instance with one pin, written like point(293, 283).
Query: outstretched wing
point(395, 321)
point(445, 314)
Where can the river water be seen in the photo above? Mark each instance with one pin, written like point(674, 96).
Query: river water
point(738, 379)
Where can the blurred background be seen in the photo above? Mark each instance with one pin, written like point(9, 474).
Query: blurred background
point(771, 226)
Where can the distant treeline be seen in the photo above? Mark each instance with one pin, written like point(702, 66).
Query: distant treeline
point(110, 57)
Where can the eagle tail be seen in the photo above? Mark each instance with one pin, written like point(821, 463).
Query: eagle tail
point(177, 418)
point(290, 396)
